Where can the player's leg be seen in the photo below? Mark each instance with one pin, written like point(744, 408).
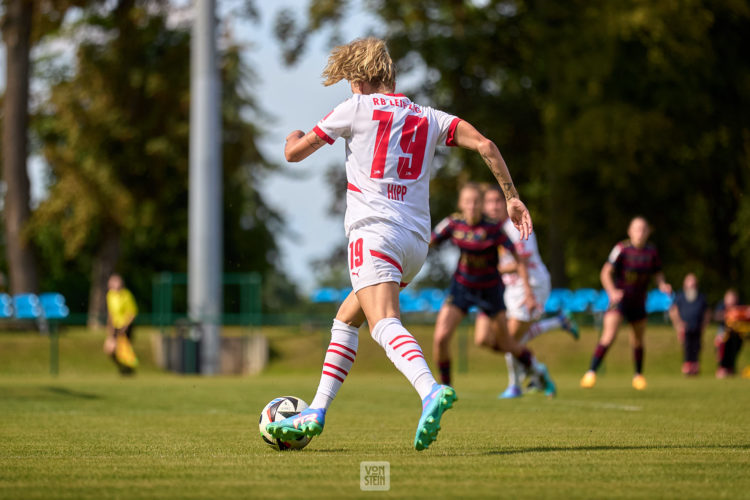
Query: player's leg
point(561, 321)
point(636, 341)
point(392, 256)
point(446, 323)
point(339, 358)
point(522, 354)
point(692, 344)
point(516, 329)
point(611, 325)
point(520, 320)
point(380, 304)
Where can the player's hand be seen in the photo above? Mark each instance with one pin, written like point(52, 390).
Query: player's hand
point(110, 344)
point(520, 217)
point(295, 136)
point(681, 333)
point(615, 296)
point(531, 303)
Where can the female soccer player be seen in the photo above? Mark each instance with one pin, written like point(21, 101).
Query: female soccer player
point(525, 293)
point(626, 276)
point(476, 282)
point(390, 144)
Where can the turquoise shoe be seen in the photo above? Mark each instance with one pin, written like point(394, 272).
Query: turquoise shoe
point(570, 325)
point(308, 422)
point(513, 391)
point(439, 400)
point(550, 389)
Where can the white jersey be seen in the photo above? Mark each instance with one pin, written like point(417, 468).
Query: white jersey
point(390, 144)
point(528, 249)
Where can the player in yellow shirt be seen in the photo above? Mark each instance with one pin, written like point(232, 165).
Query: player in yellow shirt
point(121, 312)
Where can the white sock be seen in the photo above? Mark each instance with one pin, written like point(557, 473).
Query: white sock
point(540, 327)
point(338, 361)
point(403, 350)
point(516, 371)
point(510, 363)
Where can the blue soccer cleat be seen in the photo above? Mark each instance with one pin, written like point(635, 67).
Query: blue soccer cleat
point(570, 325)
point(550, 389)
point(513, 391)
point(439, 400)
point(308, 423)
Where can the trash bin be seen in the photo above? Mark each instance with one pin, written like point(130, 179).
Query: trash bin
point(184, 348)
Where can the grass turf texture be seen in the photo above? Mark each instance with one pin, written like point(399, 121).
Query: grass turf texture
point(91, 434)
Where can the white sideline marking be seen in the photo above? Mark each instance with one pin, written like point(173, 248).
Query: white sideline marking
point(606, 406)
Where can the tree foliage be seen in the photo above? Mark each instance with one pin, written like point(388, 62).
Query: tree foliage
point(114, 131)
point(603, 110)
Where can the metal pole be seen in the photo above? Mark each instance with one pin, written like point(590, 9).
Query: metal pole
point(205, 202)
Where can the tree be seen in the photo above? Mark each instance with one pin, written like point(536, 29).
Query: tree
point(115, 134)
point(16, 28)
point(23, 23)
point(603, 110)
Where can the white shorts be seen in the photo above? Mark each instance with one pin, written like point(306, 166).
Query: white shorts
point(380, 252)
point(515, 295)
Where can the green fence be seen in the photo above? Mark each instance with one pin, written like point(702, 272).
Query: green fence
point(241, 291)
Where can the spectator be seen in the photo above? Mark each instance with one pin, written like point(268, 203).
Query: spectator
point(690, 315)
point(728, 341)
point(121, 312)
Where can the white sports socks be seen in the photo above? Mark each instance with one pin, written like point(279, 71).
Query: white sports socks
point(404, 351)
point(338, 361)
point(541, 326)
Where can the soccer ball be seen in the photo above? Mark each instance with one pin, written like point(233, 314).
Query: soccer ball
point(279, 409)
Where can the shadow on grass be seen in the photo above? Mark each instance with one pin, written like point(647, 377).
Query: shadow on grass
point(553, 449)
point(62, 391)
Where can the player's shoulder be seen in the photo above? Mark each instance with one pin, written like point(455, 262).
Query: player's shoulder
point(624, 244)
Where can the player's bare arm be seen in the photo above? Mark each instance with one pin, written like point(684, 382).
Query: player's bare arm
point(615, 294)
point(468, 137)
point(661, 282)
point(300, 145)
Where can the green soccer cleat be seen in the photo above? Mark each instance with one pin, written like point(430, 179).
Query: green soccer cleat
point(570, 325)
point(550, 389)
point(439, 400)
point(308, 423)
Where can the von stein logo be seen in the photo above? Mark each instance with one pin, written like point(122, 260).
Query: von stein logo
point(375, 476)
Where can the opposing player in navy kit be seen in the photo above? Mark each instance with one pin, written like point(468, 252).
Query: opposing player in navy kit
point(625, 276)
point(527, 288)
point(390, 144)
point(477, 282)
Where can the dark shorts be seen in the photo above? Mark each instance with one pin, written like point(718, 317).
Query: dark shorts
point(632, 310)
point(489, 300)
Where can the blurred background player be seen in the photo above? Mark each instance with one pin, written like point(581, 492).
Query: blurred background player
point(525, 292)
point(690, 315)
point(476, 282)
point(121, 313)
point(390, 144)
point(625, 276)
point(728, 340)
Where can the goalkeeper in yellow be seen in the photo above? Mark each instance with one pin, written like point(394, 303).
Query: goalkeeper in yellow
point(121, 312)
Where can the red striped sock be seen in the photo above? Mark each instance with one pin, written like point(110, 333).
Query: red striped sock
point(404, 351)
point(339, 359)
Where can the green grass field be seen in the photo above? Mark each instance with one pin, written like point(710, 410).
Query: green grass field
point(92, 434)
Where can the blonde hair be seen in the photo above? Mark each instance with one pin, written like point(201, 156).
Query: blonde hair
point(362, 60)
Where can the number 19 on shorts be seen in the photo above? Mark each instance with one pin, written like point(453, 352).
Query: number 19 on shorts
point(355, 254)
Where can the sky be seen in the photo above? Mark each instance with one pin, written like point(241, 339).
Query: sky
point(294, 98)
point(297, 100)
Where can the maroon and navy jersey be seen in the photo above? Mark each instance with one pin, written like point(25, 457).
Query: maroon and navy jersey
point(478, 243)
point(634, 268)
